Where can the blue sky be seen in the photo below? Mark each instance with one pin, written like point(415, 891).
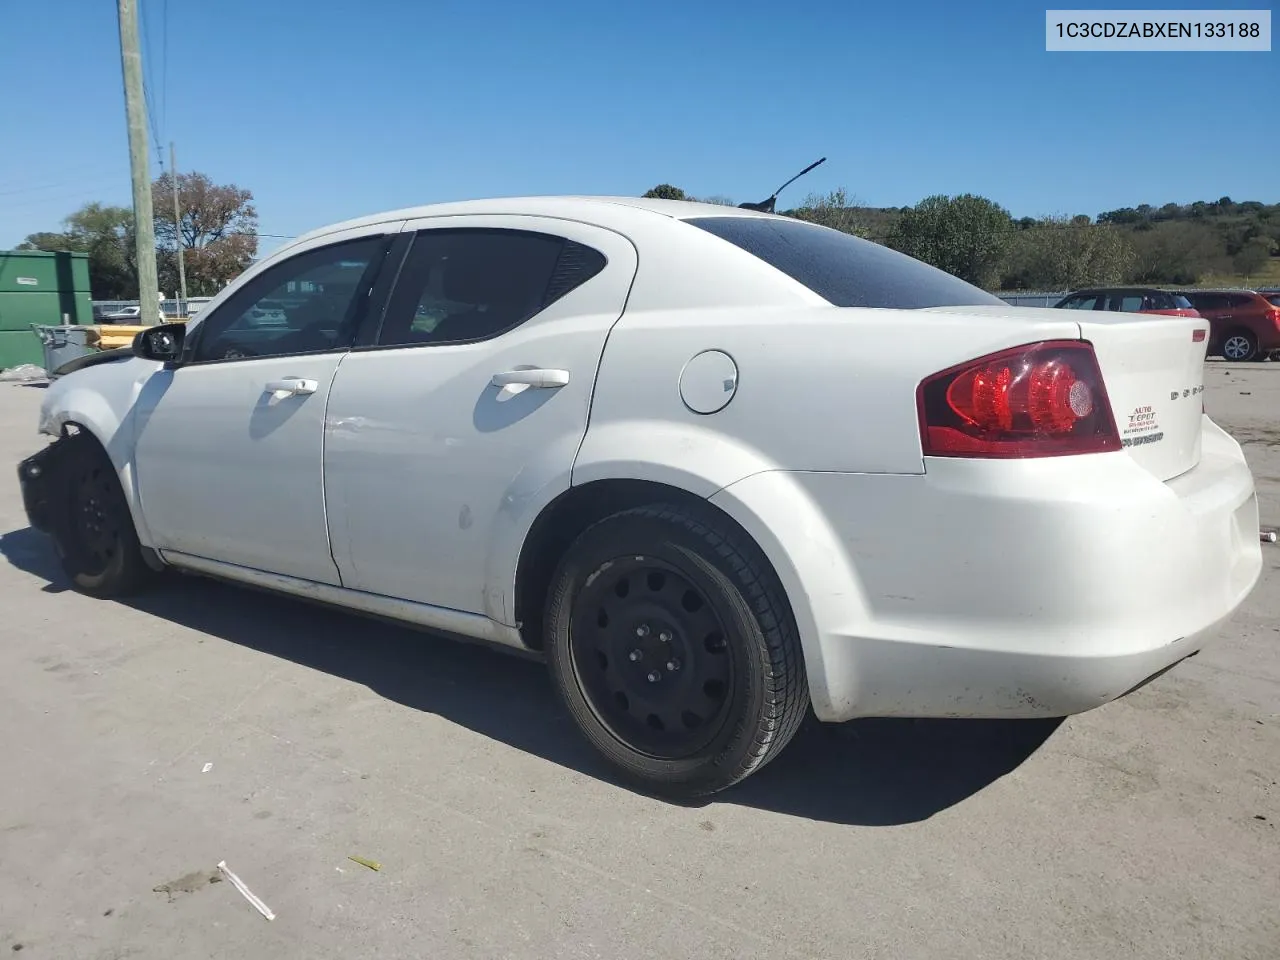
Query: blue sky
point(328, 110)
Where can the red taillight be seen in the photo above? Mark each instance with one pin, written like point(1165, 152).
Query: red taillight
point(1040, 400)
point(1275, 317)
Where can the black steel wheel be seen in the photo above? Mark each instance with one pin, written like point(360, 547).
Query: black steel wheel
point(93, 528)
point(650, 655)
point(674, 649)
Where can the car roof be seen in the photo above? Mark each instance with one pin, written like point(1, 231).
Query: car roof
point(1234, 292)
point(1084, 290)
point(612, 212)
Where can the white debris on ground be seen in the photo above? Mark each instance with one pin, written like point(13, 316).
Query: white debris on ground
point(24, 371)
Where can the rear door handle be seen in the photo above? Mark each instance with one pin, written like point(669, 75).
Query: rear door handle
point(291, 387)
point(531, 378)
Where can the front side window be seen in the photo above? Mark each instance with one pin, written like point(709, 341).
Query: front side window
point(1127, 303)
point(1085, 302)
point(464, 285)
point(311, 302)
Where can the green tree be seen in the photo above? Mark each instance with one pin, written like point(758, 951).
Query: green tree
point(218, 232)
point(1176, 251)
point(1253, 256)
point(1060, 254)
point(664, 191)
point(836, 210)
point(106, 234)
point(966, 235)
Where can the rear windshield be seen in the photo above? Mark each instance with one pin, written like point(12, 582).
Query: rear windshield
point(842, 269)
point(1274, 298)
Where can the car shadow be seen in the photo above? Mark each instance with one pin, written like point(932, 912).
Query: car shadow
point(867, 772)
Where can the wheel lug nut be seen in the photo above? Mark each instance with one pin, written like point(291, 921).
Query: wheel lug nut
point(673, 665)
point(642, 630)
point(654, 676)
point(664, 636)
point(634, 655)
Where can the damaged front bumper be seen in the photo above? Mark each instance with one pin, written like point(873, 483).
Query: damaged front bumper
point(34, 474)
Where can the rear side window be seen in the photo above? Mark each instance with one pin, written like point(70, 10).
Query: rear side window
point(1082, 302)
point(1208, 301)
point(1274, 299)
point(1241, 300)
point(845, 270)
point(458, 286)
point(1181, 302)
point(1126, 302)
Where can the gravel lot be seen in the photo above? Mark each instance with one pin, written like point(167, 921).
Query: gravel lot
point(1148, 828)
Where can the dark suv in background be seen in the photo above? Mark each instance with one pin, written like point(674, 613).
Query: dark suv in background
point(1243, 325)
point(1129, 300)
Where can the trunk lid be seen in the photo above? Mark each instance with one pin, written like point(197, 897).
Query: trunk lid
point(1153, 368)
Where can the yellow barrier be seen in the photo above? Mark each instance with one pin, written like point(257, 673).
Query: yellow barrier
point(108, 336)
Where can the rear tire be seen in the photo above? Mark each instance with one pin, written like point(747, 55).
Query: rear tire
point(93, 529)
point(672, 645)
point(1240, 346)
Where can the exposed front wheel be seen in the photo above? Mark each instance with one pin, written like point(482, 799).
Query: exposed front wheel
point(673, 647)
point(1240, 346)
point(92, 527)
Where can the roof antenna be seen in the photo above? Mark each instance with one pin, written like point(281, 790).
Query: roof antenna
point(766, 206)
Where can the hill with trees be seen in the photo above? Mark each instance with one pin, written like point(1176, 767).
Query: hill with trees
point(1220, 242)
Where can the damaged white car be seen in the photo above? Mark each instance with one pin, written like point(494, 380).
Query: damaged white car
point(719, 467)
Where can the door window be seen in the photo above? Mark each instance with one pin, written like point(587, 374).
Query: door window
point(310, 303)
point(459, 286)
point(1089, 302)
point(1126, 302)
point(1209, 301)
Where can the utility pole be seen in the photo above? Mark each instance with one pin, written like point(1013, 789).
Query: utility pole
point(136, 111)
point(177, 228)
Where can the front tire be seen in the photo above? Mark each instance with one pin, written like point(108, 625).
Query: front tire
point(93, 529)
point(672, 646)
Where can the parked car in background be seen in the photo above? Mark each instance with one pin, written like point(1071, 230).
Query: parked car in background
point(677, 451)
point(124, 313)
point(1129, 300)
point(1243, 325)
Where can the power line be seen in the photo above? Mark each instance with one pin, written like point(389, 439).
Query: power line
point(64, 185)
point(148, 70)
point(164, 64)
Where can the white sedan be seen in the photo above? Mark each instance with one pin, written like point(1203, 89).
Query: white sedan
point(719, 467)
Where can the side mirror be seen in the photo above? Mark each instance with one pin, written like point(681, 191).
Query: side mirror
point(162, 342)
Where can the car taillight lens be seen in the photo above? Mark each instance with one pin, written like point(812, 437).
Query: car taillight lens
point(1041, 400)
point(1275, 317)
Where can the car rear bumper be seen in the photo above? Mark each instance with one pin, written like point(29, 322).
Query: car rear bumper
point(1004, 588)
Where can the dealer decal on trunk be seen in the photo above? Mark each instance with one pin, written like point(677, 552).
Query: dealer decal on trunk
point(1143, 427)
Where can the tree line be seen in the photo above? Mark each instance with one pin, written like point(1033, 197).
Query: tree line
point(217, 231)
point(978, 240)
point(967, 235)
